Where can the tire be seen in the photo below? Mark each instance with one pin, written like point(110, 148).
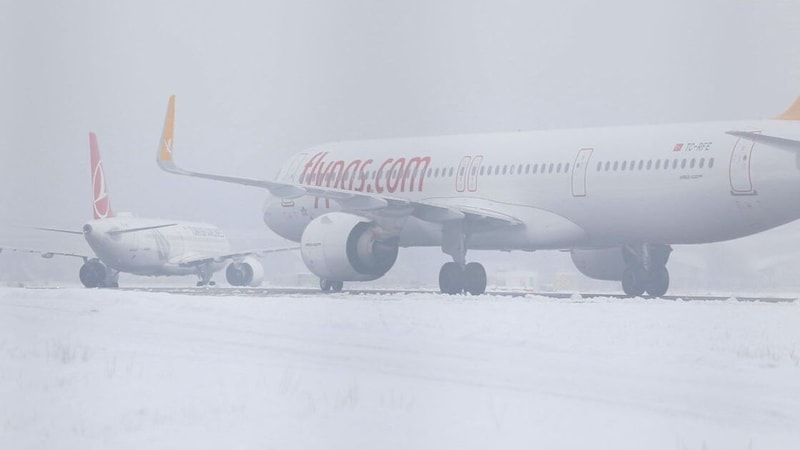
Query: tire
point(325, 285)
point(633, 281)
point(451, 279)
point(337, 286)
point(474, 279)
point(658, 282)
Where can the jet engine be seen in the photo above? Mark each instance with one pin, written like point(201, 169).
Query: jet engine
point(94, 273)
point(247, 272)
point(344, 247)
point(600, 264)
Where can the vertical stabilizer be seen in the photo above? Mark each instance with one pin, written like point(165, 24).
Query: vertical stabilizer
point(101, 202)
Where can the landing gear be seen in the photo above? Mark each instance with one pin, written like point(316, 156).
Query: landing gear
point(204, 272)
point(455, 280)
point(458, 277)
point(646, 270)
point(328, 285)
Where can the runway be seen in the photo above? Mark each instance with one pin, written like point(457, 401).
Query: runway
point(219, 291)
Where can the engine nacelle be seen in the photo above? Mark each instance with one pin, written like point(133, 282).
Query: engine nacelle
point(247, 272)
point(600, 264)
point(344, 247)
point(94, 273)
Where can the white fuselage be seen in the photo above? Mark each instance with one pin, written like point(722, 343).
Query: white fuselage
point(674, 184)
point(158, 251)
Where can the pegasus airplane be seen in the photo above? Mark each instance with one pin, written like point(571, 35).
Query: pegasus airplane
point(153, 247)
point(617, 198)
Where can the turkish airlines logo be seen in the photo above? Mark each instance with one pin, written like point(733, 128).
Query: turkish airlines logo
point(101, 206)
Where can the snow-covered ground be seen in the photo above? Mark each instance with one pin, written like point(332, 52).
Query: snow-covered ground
point(82, 369)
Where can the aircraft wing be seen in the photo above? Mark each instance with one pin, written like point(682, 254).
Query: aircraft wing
point(197, 260)
point(46, 254)
point(371, 205)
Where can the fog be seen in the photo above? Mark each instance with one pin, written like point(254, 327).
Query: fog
point(257, 81)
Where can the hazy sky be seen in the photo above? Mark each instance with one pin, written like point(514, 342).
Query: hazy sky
point(258, 80)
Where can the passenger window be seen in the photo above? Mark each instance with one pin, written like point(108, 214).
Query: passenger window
point(505, 169)
point(702, 162)
point(616, 165)
point(608, 164)
point(691, 164)
point(658, 164)
point(527, 169)
point(550, 170)
point(625, 165)
point(497, 169)
point(599, 165)
point(451, 172)
point(683, 163)
point(674, 164)
point(566, 168)
point(711, 163)
point(558, 168)
point(641, 164)
point(482, 170)
point(649, 164)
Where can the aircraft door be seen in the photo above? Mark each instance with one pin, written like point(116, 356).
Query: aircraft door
point(462, 173)
point(579, 170)
point(741, 183)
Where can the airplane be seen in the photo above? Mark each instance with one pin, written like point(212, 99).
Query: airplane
point(153, 247)
point(618, 199)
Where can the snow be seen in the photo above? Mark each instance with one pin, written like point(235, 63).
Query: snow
point(94, 369)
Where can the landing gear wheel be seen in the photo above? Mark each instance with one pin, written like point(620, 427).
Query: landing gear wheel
point(325, 285)
point(658, 282)
point(451, 279)
point(633, 281)
point(336, 286)
point(474, 279)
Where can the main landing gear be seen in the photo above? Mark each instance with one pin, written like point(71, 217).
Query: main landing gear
point(458, 276)
point(646, 270)
point(204, 273)
point(471, 279)
point(328, 285)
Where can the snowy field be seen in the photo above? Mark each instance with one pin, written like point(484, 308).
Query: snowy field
point(93, 369)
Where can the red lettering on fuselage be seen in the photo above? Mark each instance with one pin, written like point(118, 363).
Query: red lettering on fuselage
point(392, 175)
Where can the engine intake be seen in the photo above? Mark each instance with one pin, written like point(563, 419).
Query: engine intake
point(344, 247)
point(247, 272)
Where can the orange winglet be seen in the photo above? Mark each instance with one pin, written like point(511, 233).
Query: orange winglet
point(793, 113)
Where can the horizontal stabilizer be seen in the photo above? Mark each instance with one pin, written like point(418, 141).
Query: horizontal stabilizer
point(134, 230)
point(57, 230)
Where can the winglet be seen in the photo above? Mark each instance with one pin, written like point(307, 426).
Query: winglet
point(102, 204)
point(165, 146)
point(793, 113)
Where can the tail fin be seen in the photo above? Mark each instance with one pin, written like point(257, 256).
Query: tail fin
point(102, 204)
point(164, 156)
point(793, 113)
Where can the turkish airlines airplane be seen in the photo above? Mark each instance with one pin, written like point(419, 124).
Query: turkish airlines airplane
point(617, 198)
point(153, 247)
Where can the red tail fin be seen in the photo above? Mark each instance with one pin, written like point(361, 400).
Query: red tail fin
point(102, 205)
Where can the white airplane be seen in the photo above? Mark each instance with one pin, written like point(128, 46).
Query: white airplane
point(616, 198)
point(153, 247)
